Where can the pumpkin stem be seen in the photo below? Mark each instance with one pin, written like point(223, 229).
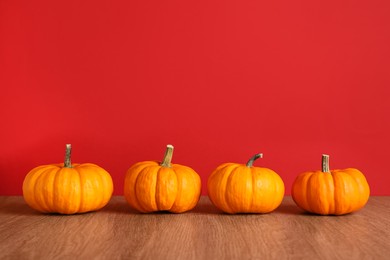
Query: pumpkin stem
point(68, 151)
point(325, 163)
point(253, 159)
point(168, 156)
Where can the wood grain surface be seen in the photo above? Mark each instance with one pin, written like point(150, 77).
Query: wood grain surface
point(118, 232)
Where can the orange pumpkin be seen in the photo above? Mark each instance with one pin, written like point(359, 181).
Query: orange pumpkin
point(240, 188)
point(152, 186)
point(335, 192)
point(67, 188)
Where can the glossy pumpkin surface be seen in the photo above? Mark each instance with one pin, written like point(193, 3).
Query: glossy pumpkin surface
point(240, 188)
point(331, 192)
point(153, 186)
point(67, 188)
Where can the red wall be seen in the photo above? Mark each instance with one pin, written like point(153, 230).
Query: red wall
point(220, 80)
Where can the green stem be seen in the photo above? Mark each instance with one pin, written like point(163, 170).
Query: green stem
point(168, 156)
point(325, 163)
point(253, 159)
point(68, 151)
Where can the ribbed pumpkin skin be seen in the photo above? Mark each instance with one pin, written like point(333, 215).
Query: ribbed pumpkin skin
point(58, 189)
point(336, 193)
point(237, 188)
point(150, 187)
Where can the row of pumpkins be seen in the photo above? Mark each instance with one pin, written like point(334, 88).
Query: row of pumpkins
point(151, 186)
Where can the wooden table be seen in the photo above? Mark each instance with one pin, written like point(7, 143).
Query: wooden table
point(118, 232)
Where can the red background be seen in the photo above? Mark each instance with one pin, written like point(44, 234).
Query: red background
point(220, 80)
